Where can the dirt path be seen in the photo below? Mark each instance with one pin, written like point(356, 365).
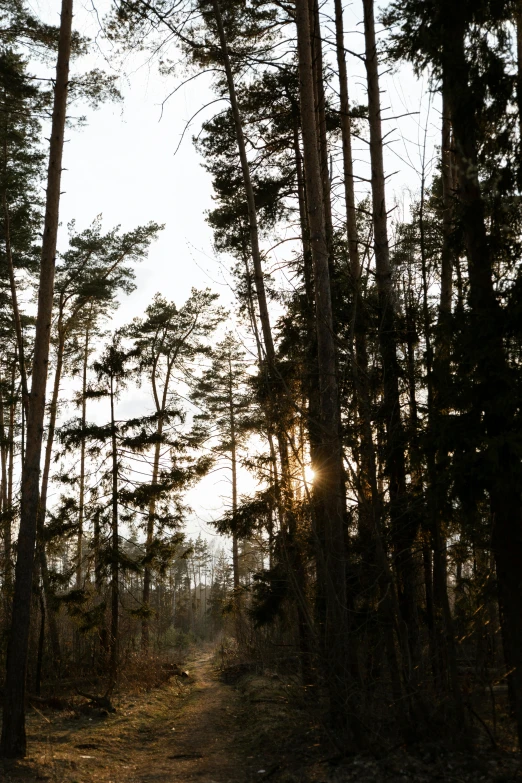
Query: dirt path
point(173, 734)
point(210, 732)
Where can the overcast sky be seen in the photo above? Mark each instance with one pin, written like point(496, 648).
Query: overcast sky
point(122, 165)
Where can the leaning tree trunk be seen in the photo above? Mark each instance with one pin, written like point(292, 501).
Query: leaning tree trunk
point(13, 743)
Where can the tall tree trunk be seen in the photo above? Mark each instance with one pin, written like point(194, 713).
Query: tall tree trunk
point(496, 398)
point(404, 527)
point(161, 404)
point(296, 571)
point(14, 295)
point(235, 547)
point(115, 564)
point(329, 477)
point(346, 138)
point(249, 190)
point(49, 597)
point(369, 500)
point(81, 499)
point(147, 571)
point(311, 383)
point(8, 521)
point(13, 744)
point(438, 382)
point(320, 111)
point(518, 22)
point(446, 275)
point(3, 457)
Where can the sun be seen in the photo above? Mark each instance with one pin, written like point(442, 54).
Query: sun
point(309, 474)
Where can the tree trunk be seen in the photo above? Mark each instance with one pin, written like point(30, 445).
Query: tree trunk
point(249, 191)
point(496, 397)
point(518, 21)
point(13, 743)
point(14, 296)
point(311, 384)
point(42, 507)
point(438, 379)
point(147, 571)
point(404, 526)
point(235, 548)
point(346, 138)
point(369, 500)
point(8, 521)
point(320, 111)
point(296, 573)
point(115, 565)
point(161, 405)
point(446, 275)
point(81, 500)
point(329, 477)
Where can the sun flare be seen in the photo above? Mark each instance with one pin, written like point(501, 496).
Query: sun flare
point(309, 474)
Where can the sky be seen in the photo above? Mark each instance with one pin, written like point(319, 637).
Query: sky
point(123, 166)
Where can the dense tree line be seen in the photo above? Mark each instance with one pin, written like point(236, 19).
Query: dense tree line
point(375, 400)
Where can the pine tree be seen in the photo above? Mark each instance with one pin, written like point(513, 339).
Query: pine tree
point(223, 394)
point(13, 726)
point(167, 342)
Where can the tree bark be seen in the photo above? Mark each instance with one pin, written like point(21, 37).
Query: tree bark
point(14, 295)
point(320, 112)
point(115, 563)
point(8, 576)
point(329, 477)
point(13, 743)
point(296, 571)
point(496, 397)
point(438, 389)
point(518, 22)
point(42, 507)
point(81, 500)
point(233, 468)
point(161, 405)
point(249, 190)
point(404, 527)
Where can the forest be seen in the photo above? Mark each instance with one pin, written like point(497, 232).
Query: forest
point(358, 392)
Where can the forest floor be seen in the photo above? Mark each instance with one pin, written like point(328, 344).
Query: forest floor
point(202, 729)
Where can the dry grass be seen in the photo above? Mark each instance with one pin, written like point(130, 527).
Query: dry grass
point(265, 727)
